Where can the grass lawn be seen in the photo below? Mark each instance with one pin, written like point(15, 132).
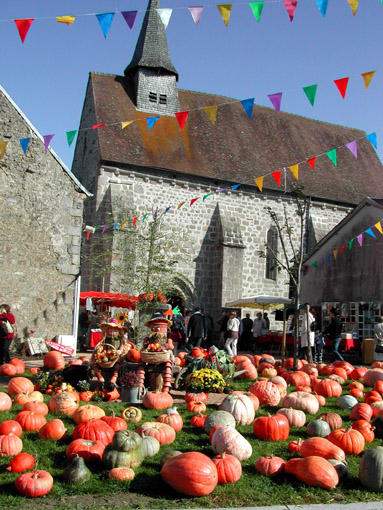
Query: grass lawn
point(148, 490)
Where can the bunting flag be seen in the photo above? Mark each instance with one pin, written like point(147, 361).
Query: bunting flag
point(277, 177)
point(47, 141)
point(321, 260)
point(342, 85)
point(165, 15)
point(211, 112)
point(68, 20)
point(310, 92)
point(126, 123)
point(328, 258)
point(248, 106)
point(23, 26)
point(87, 236)
point(180, 205)
point(276, 101)
point(220, 190)
point(350, 244)
point(105, 20)
point(295, 171)
point(24, 142)
point(353, 147)
point(151, 121)
point(144, 216)
point(205, 197)
point(96, 126)
point(370, 233)
point(135, 221)
point(115, 226)
point(123, 224)
point(104, 228)
point(236, 186)
point(225, 10)
point(322, 6)
point(311, 162)
point(360, 239)
point(257, 7)
point(291, 5)
point(196, 13)
point(3, 148)
point(259, 183)
point(367, 77)
point(378, 227)
point(332, 156)
point(70, 136)
point(129, 17)
point(372, 139)
point(315, 264)
point(182, 118)
point(341, 249)
point(167, 209)
point(335, 252)
point(193, 200)
point(354, 5)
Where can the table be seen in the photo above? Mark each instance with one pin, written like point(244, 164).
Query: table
point(347, 344)
point(95, 337)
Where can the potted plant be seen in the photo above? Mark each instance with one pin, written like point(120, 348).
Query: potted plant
point(130, 387)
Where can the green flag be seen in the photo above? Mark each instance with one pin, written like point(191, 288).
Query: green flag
point(257, 7)
point(332, 156)
point(310, 92)
point(315, 264)
point(70, 136)
point(350, 244)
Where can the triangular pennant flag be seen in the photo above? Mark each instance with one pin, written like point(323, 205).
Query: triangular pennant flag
point(129, 17)
point(3, 148)
point(105, 20)
point(225, 10)
point(87, 236)
point(96, 126)
point(196, 13)
point(342, 85)
point(236, 186)
point(367, 77)
point(341, 249)
point(167, 209)
point(332, 156)
point(295, 171)
point(335, 252)
point(205, 197)
point(310, 92)
point(126, 123)
point(104, 228)
point(259, 183)
point(193, 200)
point(350, 244)
point(144, 216)
point(220, 190)
point(23, 25)
point(315, 264)
point(135, 221)
point(353, 147)
point(276, 100)
point(354, 5)
point(277, 177)
point(180, 205)
point(378, 227)
point(151, 121)
point(248, 106)
point(68, 20)
point(372, 139)
point(291, 5)
point(165, 15)
point(321, 260)
point(328, 258)
point(182, 117)
point(322, 6)
point(211, 112)
point(311, 162)
point(70, 136)
point(24, 142)
point(257, 7)
point(115, 226)
point(123, 224)
point(47, 141)
point(360, 239)
point(370, 233)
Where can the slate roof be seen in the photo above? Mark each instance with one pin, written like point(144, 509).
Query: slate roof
point(235, 149)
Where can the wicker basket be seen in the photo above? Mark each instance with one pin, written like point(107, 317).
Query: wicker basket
point(155, 358)
point(106, 347)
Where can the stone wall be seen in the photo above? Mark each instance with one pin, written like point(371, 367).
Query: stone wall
point(41, 210)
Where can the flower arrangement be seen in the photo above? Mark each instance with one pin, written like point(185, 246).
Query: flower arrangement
point(155, 297)
point(207, 380)
point(130, 379)
point(83, 385)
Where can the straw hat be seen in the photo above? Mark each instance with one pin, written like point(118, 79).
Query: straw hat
point(113, 323)
point(158, 320)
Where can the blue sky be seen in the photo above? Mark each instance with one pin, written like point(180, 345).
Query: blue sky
point(47, 75)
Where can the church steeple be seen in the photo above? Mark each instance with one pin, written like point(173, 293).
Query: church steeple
point(151, 68)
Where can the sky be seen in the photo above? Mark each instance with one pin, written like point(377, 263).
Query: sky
point(47, 75)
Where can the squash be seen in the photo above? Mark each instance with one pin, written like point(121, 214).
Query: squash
point(266, 391)
point(241, 407)
point(126, 450)
point(361, 411)
point(151, 445)
point(115, 422)
point(173, 419)
point(34, 484)
point(77, 472)
point(132, 414)
point(272, 428)
point(5, 402)
point(229, 468)
point(301, 400)
point(201, 397)
point(296, 417)
point(318, 428)
point(121, 474)
point(350, 440)
point(314, 471)
point(94, 430)
point(10, 427)
point(19, 385)
point(22, 462)
point(195, 406)
point(53, 430)
point(90, 451)
point(36, 407)
point(347, 401)
point(321, 447)
point(30, 420)
point(269, 465)
point(157, 400)
point(219, 418)
point(165, 434)
point(54, 359)
point(328, 388)
point(168, 454)
point(371, 376)
point(87, 412)
point(333, 419)
point(64, 403)
point(371, 469)
point(231, 441)
point(366, 429)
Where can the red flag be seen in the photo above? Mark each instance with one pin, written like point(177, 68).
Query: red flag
point(23, 25)
point(87, 236)
point(341, 249)
point(277, 177)
point(342, 86)
point(135, 221)
point(182, 117)
point(311, 162)
point(95, 126)
point(193, 200)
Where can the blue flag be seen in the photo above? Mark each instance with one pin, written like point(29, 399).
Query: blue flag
point(24, 142)
point(151, 121)
point(105, 21)
point(322, 6)
point(248, 106)
point(372, 138)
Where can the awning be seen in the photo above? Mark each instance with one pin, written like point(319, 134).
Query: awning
point(261, 302)
point(110, 299)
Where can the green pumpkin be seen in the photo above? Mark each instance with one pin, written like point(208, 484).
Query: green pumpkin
point(347, 401)
point(112, 458)
point(126, 441)
point(318, 428)
point(219, 418)
point(371, 469)
point(77, 472)
point(151, 446)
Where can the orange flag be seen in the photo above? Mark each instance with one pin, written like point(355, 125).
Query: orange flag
point(335, 252)
point(180, 205)
point(367, 77)
point(295, 170)
point(182, 118)
point(3, 148)
point(259, 183)
point(225, 10)
point(211, 112)
point(23, 25)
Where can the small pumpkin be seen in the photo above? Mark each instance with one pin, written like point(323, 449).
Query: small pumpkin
point(198, 420)
point(173, 419)
point(115, 422)
point(30, 420)
point(132, 414)
point(229, 468)
point(361, 411)
point(157, 400)
point(269, 465)
point(87, 412)
point(151, 445)
point(296, 417)
point(195, 406)
point(34, 484)
point(94, 430)
point(200, 397)
point(53, 430)
point(5, 402)
point(333, 419)
point(77, 472)
point(318, 428)
point(121, 474)
point(350, 440)
point(366, 429)
point(21, 462)
point(164, 433)
point(11, 427)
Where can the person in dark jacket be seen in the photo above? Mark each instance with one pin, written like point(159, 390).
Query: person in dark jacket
point(6, 338)
point(333, 331)
point(196, 329)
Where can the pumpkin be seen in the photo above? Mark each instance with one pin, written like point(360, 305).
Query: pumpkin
point(8, 370)
point(22, 462)
point(272, 428)
point(195, 406)
point(377, 408)
point(358, 373)
point(321, 447)
point(34, 370)
point(211, 433)
point(361, 411)
point(372, 396)
point(19, 364)
point(336, 378)
point(36, 407)
point(298, 378)
point(53, 430)
point(269, 465)
point(230, 440)
point(356, 393)
point(350, 440)
point(307, 389)
point(341, 372)
point(373, 375)
point(294, 446)
point(115, 422)
point(168, 454)
point(266, 391)
point(302, 401)
point(296, 417)
point(134, 355)
point(34, 484)
point(229, 468)
point(269, 372)
point(121, 474)
point(200, 397)
point(126, 450)
point(356, 385)
point(11, 427)
point(87, 412)
point(279, 380)
point(30, 420)
point(132, 414)
point(54, 359)
point(328, 388)
point(151, 445)
point(366, 429)
point(5, 402)
point(164, 433)
point(90, 451)
point(318, 428)
point(86, 396)
point(346, 401)
point(241, 407)
point(378, 386)
point(19, 385)
point(95, 430)
point(64, 403)
point(314, 471)
point(199, 481)
point(219, 418)
point(333, 419)
point(111, 395)
point(320, 398)
point(10, 445)
point(173, 419)
point(77, 472)
point(371, 469)
point(157, 400)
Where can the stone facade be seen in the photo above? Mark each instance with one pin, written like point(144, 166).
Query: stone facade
point(41, 208)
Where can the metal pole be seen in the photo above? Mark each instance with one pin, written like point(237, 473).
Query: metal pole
point(284, 336)
point(309, 357)
point(76, 310)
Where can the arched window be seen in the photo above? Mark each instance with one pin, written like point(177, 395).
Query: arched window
point(272, 247)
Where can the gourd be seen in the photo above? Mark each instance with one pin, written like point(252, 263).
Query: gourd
point(296, 417)
point(195, 406)
point(229, 468)
point(371, 469)
point(219, 418)
point(269, 465)
point(347, 402)
point(314, 471)
point(318, 428)
point(132, 414)
point(34, 484)
point(151, 446)
point(126, 450)
point(321, 447)
point(333, 419)
point(22, 462)
point(121, 474)
point(77, 472)
point(169, 454)
point(231, 441)
point(241, 407)
point(64, 403)
point(267, 392)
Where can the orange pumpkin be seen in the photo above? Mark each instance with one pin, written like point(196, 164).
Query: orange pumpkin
point(10, 445)
point(366, 429)
point(201, 397)
point(157, 400)
point(196, 407)
point(64, 403)
point(53, 430)
point(315, 471)
point(19, 385)
point(173, 419)
point(19, 364)
point(8, 370)
point(165, 434)
point(11, 427)
point(36, 407)
point(121, 474)
point(89, 450)
point(30, 420)
point(350, 440)
point(95, 430)
point(87, 412)
point(5, 402)
point(229, 468)
point(134, 355)
point(54, 359)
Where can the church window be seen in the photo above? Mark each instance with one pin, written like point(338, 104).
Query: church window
point(162, 98)
point(152, 97)
point(272, 247)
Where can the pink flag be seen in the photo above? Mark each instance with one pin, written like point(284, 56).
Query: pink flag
point(23, 25)
point(47, 141)
point(196, 13)
point(353, 147)
point(276, 100)
point(360, 239)
point(291, 5)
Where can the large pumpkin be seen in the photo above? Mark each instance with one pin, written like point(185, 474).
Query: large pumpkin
point(5, 402)
point(267, 392)
point(272, 428)
point(10, 445)
point(11, 427)
point(20, 385)
point(8, 370)
point(366, 429)
point(200, 397)
point(314, 471)
point(333, 419)
point(64, 403)
point(164, 433)
point(115, 422)
point(54, 359)
point(299, 378)
point(95, 430)
point(30, 420)
point(302, 401)
point(229, 440)
point(36, 407)
point(157, 400)
point(90, 451)
point(53, 430)
point(328, 388)
point(371, 469)
point(201, 480)
point(34, 484)
point(87, 412)
point(241, 407)
point(350, 440)
point(361, 411)
point(269, 465)
point(19, 364)
point(173, 419)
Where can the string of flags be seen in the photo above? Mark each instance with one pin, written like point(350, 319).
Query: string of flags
point(105, 19)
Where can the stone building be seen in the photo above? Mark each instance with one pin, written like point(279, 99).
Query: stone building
point(41, 209)
point(164, 166)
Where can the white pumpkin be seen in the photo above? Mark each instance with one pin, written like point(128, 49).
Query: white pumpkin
point(241, 407)
point(229, 440)
point(296, 417)
point(151, 445)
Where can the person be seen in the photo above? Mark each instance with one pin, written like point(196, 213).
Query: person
point(83, 325)
point(6, 336)
point(232, 339)
point(333, 331)
point(378, 339)
point(245, 332)
point(267, 320)
point(319, 341)
point(196, 329)
point(209, 329)
point(307, 334)
point(175, 337)
point(223, 329)
point(259, 326)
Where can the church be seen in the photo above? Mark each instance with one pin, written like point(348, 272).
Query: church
point(212, 168)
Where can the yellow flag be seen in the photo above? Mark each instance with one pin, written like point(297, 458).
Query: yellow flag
point(3, 148)
point(225, 10)
point(335, 253)
point(378, 226)
point(367, 77)
point(180, 205)
point(354, 5)
point(211, 112)
point(66, 19)
point(126, 124)
point(295, 169)
point(123, 225)
point(259, 182)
